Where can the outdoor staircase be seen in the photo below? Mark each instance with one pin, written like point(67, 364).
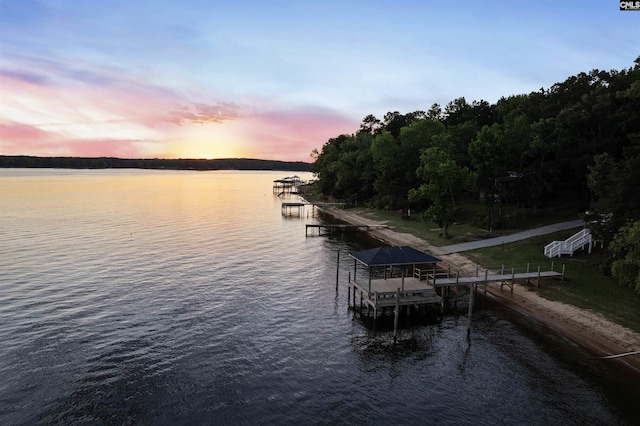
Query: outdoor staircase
point(570, 245)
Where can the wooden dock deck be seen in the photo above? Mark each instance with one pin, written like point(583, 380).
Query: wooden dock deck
point(391, 292)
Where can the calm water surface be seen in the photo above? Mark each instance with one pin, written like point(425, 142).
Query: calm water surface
point(178, 297)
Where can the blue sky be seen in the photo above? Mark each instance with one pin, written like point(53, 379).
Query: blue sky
point(274, 79)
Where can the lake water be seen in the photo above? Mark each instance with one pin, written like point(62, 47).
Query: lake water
point(180, 297)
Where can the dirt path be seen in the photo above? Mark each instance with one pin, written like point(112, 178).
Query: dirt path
point(590, 330)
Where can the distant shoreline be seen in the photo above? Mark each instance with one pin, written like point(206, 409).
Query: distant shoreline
point(25, 161)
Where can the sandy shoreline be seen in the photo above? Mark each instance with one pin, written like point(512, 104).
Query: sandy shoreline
point(592, 331)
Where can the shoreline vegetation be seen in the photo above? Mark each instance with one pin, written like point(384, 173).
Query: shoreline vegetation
point(592, 330)
point(479, 170)
point(25, 161)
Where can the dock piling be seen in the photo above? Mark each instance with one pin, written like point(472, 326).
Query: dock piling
point(338, 269)
point(470, 310)
point(395, 319)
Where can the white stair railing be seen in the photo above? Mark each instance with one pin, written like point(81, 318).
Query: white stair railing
point(570, 245)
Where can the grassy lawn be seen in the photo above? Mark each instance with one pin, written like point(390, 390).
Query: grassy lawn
point(459, 232)
point(586, 286)
point(427, 231)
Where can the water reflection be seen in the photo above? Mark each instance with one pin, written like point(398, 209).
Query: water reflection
point(177, 297)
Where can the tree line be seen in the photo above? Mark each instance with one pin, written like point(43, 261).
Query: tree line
point(578, 139)
point(22, 161)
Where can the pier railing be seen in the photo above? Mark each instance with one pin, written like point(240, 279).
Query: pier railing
point(528, 271)
point(520, 268)
point(502, 269)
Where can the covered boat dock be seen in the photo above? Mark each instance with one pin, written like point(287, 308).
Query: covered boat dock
point(405, 276)
point(383, 288)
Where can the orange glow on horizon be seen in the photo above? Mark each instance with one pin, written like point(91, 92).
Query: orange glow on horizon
point(205, 150)
point(210, 141)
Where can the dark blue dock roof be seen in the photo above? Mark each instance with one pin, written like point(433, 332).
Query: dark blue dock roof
point(387, 256)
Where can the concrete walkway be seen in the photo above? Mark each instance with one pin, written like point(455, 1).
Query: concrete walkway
point(523, 235)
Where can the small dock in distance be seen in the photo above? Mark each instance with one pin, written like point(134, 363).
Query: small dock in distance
point(288, 208)
point(287, 185)
point(328, 229)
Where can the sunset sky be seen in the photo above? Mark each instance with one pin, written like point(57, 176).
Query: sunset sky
point(274, 79)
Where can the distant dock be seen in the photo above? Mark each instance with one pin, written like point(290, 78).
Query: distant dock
point(286, 185)
point(328, 229)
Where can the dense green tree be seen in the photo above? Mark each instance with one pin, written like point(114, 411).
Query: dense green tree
point(489, 156)
point(385, 153)
point(413, 139)
point(625, 248)
point(443, 180)
point(325, 165)
point(614, 188)
point(371, 125)
point(435, 113)
point(482, 113)
point(458, 111)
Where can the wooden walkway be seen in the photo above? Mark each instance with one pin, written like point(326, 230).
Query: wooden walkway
point(328, 229)
point(506, 279)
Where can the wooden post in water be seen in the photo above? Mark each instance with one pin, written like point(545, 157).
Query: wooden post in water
point(337, 268)
point(563, 272)
point(486, 274)
point(395, 318)
point(470, 310)
point(349, 294)
point(375, 308)
point(538, 283)
point(354, 295)
point(441, 300)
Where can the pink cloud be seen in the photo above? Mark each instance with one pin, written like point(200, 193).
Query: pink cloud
point(20, 133)
point(291, 135)
point(44, 118)
point(201, 113)
point(23, 139)
point(113, 115)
